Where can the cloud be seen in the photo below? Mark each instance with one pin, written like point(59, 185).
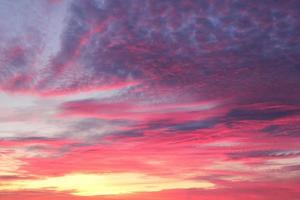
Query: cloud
point(193, 46)
point(267, 114)
point(288, 129)
point(195, 125)
point(150, 93)
point(263, 153)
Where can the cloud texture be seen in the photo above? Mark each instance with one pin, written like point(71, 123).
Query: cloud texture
point(194, 99)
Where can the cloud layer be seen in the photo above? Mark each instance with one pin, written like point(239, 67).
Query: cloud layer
point(192, 99)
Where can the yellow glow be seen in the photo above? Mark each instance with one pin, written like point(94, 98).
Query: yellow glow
point(9, 162)
point(105, 184)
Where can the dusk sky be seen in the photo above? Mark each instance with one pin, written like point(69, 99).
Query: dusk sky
point(149, 100)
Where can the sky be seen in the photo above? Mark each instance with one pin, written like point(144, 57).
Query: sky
point(150, 100)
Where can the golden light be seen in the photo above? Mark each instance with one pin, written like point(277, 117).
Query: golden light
point(105, 184)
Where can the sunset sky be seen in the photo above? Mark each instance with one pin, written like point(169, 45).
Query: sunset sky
point(149, 100)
